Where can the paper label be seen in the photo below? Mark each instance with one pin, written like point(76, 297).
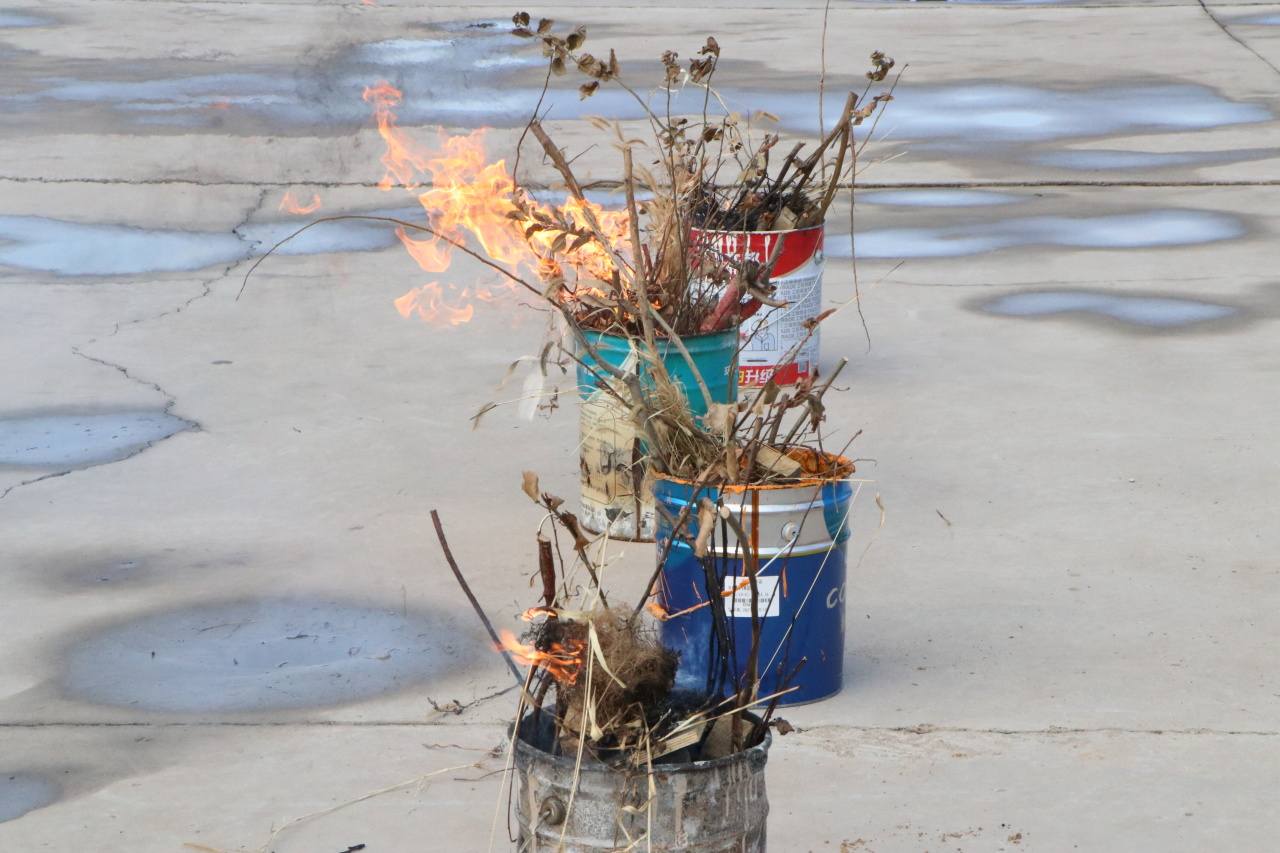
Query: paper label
point(739, 602)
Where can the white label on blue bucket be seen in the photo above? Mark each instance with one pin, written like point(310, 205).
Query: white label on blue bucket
point(737, 591)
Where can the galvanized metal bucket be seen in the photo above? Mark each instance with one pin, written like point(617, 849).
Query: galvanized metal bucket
point(799, 534)
point(617, 490)
point(771, 334)
point(717, 806)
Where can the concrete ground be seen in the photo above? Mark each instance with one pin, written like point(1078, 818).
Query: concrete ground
point(224, 613)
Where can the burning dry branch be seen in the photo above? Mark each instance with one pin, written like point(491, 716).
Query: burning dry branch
point(601, 684)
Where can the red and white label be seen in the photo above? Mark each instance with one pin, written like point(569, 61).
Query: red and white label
point(772, 335)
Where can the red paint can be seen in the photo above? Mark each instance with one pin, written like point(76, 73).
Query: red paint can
point(771, 339)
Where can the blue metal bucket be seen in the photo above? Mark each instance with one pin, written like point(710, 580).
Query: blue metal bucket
point(799, 534)
point(615, 484)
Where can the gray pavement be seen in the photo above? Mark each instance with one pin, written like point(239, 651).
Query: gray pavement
point(223, 608)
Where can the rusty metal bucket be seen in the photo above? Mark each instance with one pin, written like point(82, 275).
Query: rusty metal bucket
point(716, 806)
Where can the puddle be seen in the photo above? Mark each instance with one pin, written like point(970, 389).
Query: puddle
point(22, 19)
point(938, 198)
point(75, 248)
point(472, 74)
point(348, 235)
point(458, 81)
point(1259, 20)
point(96, 248)
point(970, 115)
point(262, 655)
point(1098, 159)
point(74, 441)
point(1158, 312)
point(24, 792)
point(1121, 231)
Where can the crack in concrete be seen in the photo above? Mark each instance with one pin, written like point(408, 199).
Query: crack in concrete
point(207, 284)
point(207, 289)
point(6, 492)
point(1235, 38)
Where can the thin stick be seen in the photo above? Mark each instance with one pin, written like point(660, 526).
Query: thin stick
point(462, 582)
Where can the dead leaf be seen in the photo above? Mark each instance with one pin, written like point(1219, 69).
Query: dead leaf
point(720, 417)
point(530, 486)
point(570, 522)
point(778, 461)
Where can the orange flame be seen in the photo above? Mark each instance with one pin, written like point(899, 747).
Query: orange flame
point(290, 203)
point(428, 303)
point(562, 662)
point(468, 196)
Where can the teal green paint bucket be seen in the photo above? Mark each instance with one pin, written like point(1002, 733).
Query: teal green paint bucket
point(715, 356)
point(617, 488)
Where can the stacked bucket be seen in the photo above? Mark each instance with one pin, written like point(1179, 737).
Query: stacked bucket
point(797, 532)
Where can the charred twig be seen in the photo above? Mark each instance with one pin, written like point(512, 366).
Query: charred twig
point(466, 588)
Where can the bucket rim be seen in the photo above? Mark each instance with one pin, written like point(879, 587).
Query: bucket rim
point(522, 745)
point(662, 336)
point(844, 470)
point(696, 230)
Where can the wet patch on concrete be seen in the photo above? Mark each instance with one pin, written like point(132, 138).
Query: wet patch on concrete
point(1131, 309)
point(104, 249)
point(1272, 20)
point(118, 571)
point(22, 792)
point(263, 655)
point(15, 18)
point(69, 441)
point(458, 78)
point(76, 248)
point(939, 198)
point(474, 73)
point(1157, 228)
point(967, 116)
point(1101, 160)
point(106, 568)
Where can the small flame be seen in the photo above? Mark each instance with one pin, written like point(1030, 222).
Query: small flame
point(290, 203)
point(468, 196)
point(562, 662)
point(428, 303)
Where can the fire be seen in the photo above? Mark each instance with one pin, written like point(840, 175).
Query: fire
point(429, 304)
point(290, 203)
point(562, 662)
point(465, 196)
